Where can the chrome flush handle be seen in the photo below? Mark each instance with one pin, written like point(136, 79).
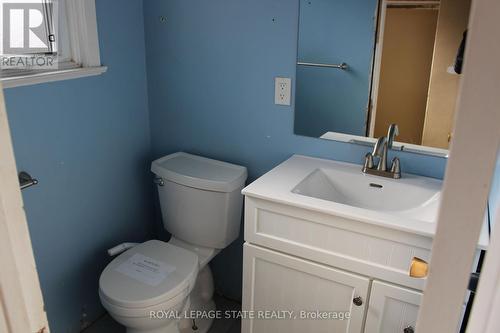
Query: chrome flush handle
point(159, 181)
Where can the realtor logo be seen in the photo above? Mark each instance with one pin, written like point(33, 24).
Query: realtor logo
point(24, 29)
point(28, 34)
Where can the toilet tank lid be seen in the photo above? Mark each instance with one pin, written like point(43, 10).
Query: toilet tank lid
point(200, 172)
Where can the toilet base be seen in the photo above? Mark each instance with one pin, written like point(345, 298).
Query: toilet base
point(201, 325)
point(202, 303)
point(172, 328)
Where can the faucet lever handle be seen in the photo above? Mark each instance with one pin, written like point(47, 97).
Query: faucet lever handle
point(396, 168)
point(368, 162)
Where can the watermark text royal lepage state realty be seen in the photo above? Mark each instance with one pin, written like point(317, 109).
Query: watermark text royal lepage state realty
point(258, 314)
point(28, 34)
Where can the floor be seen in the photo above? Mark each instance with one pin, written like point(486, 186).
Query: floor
point(107, 325)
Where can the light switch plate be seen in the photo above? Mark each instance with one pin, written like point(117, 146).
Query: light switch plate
point(282, 90)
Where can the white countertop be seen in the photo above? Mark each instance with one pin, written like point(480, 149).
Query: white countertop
point(277, 185)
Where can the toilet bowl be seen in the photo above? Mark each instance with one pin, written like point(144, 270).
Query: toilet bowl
point(147, 288)
point(151, 287)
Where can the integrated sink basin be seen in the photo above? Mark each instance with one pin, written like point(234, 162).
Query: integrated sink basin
point(340, 189)
point(318, 193)
point(416, 196)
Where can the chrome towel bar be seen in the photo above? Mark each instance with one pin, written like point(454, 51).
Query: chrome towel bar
point(25, 180)
point(342, 66)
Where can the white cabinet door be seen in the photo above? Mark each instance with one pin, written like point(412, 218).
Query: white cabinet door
point(392, 309)
point(277, 283)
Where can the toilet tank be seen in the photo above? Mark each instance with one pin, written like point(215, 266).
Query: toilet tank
point(200, 198)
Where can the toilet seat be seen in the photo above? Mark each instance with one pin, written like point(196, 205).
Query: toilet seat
point(136, 286)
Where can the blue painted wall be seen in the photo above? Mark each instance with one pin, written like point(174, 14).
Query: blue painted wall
point(88, 142)
point(211, 68)
point(332, 32)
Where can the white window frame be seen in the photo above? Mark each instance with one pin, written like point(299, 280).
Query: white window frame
point(84, 52)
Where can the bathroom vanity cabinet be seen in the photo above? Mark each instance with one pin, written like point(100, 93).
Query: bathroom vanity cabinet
point(321, 241)
point(313, 264)
point(317, 265)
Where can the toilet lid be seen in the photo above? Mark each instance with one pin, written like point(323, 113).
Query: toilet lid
point(149, 274)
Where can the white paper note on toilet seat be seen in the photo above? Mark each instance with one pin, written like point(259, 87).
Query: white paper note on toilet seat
point(145, 269)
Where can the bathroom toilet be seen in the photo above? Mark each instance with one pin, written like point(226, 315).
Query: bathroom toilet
point(150, 287)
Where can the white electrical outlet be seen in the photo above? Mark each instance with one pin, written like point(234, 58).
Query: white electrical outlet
point(282, 90)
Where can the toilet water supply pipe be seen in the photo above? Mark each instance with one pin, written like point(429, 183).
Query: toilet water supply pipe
point(120, 248)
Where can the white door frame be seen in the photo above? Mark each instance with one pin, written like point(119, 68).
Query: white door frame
point(21, 303)
point(468, 177)
point(484, 317)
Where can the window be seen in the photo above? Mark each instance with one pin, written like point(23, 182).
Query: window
point(63, 33)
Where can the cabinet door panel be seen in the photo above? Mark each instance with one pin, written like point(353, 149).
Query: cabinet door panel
point(392, 308)
point(273, 281)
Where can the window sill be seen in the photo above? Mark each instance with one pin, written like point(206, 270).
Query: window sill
point(65, 74)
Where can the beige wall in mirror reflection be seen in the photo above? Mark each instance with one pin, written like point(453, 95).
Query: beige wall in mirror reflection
point(405, 71)
point(443, 86)
point(416, 88)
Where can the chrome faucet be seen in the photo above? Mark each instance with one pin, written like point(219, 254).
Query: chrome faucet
point(380, 151)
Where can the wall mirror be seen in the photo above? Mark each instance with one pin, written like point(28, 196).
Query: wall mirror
point(365, 64)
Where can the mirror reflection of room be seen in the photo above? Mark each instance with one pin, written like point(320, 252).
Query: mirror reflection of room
point(402, 60)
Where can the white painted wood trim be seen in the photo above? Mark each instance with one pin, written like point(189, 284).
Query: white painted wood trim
point(377, 64)
point(20, 295)
point(468, 176)
point(484, 317)
point(85, 53)
point(66, 74)
point(82, 22)
point(3, 320)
